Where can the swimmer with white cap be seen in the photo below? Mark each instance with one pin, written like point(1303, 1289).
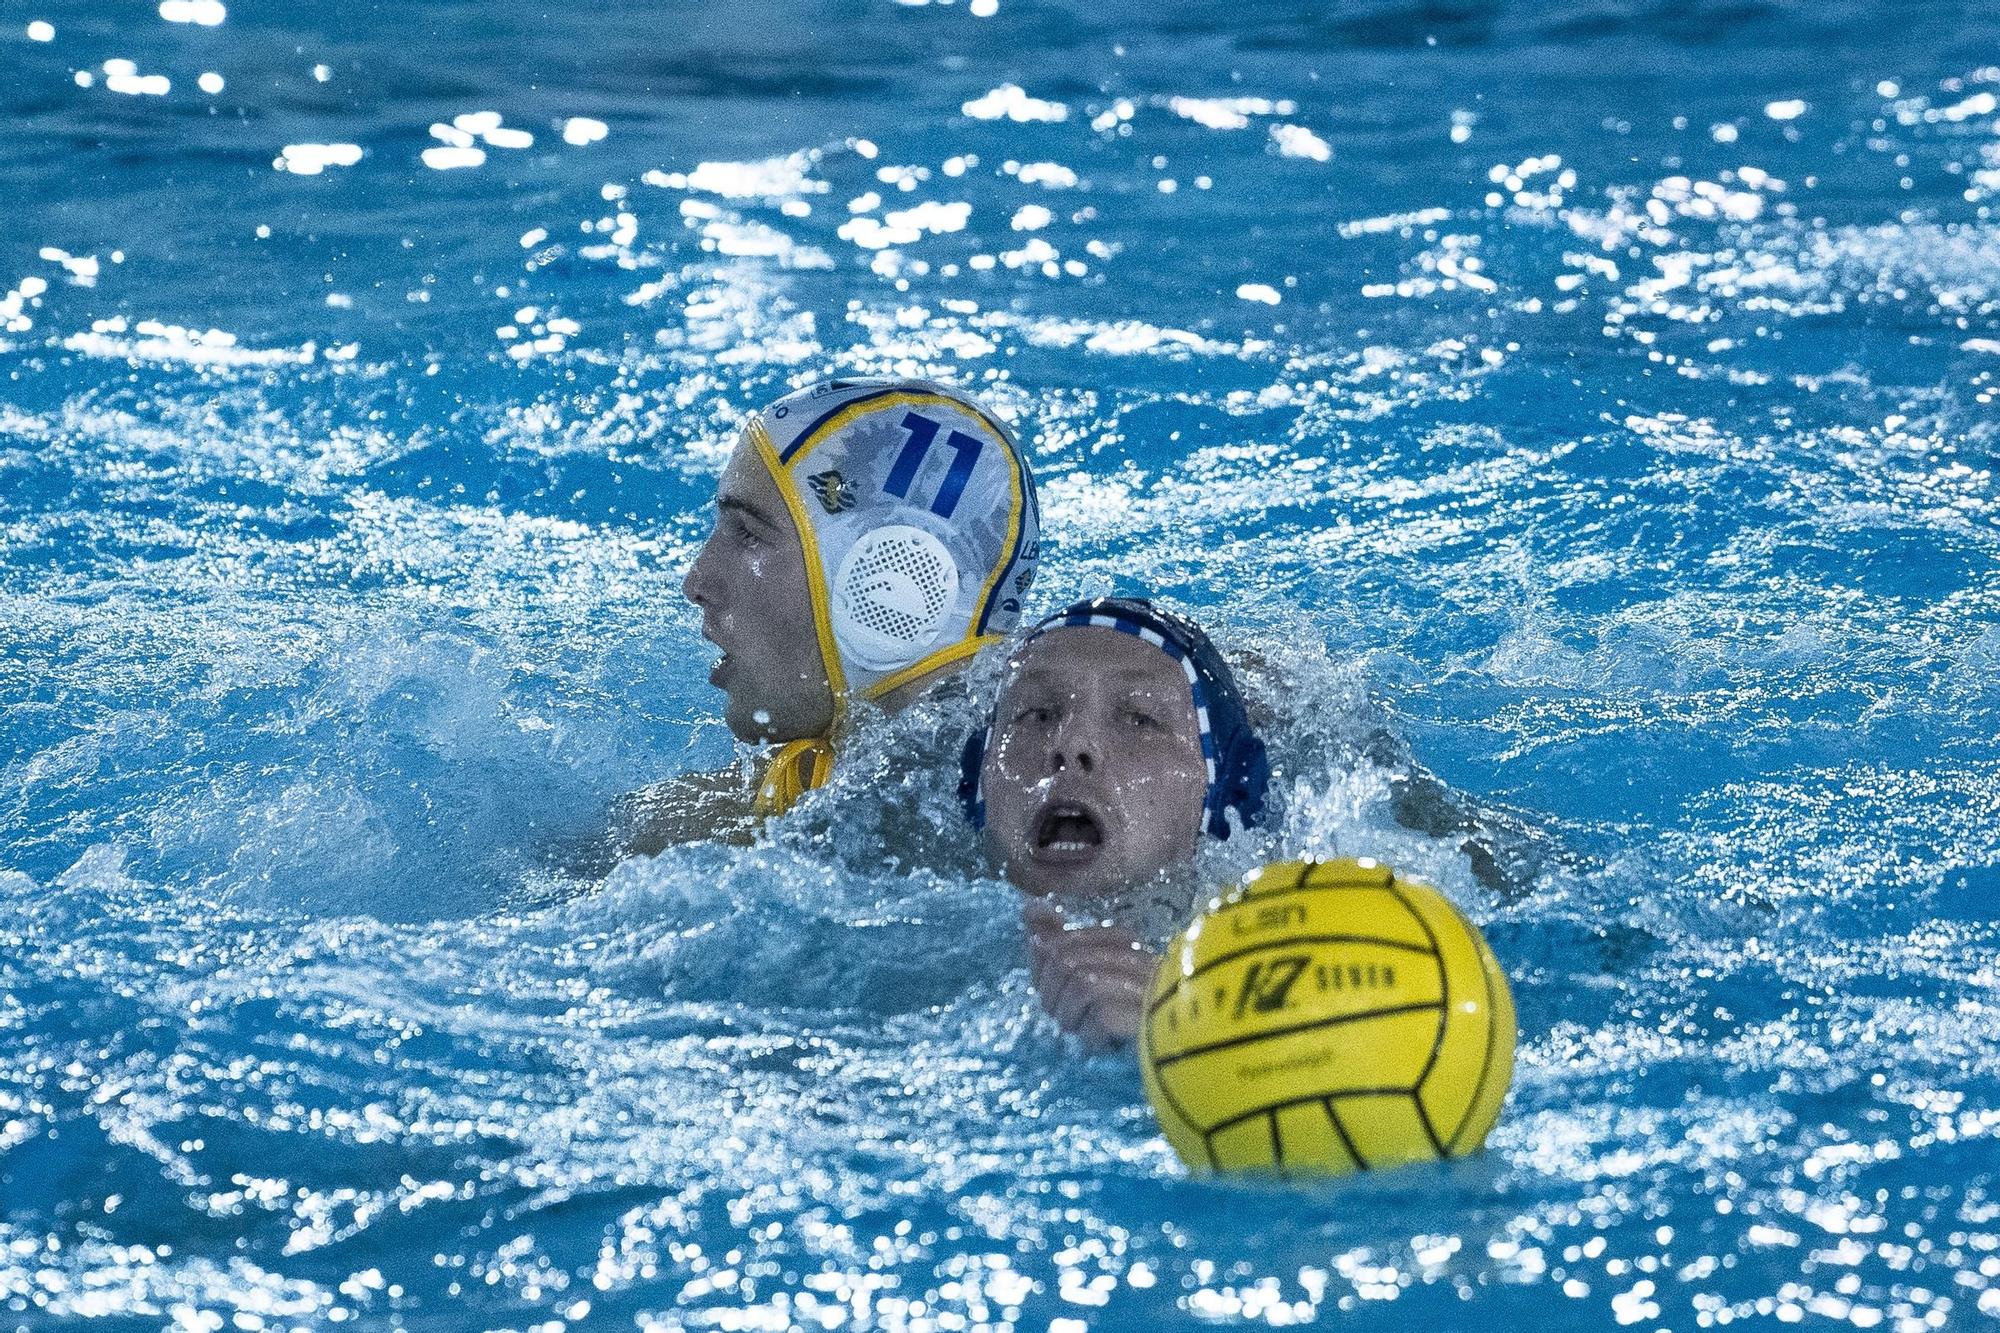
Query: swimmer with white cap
point(871, 536)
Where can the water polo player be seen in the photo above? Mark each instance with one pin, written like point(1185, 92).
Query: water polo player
point(871, 535)
point(1118, 741)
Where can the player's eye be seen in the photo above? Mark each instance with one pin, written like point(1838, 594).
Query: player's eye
point(1038, 714)
point(1140, 718)
point(743, 532)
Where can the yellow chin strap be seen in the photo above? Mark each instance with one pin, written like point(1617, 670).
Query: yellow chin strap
point(796, 768)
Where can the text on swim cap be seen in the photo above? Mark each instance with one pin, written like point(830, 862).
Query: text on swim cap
point(923, 434)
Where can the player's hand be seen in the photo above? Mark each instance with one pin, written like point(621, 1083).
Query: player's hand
point(1092, 980)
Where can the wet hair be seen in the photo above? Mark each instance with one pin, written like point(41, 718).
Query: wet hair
point(1238, 770)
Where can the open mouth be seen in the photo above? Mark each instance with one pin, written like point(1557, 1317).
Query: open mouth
point(719, 673)
point(1065, 829)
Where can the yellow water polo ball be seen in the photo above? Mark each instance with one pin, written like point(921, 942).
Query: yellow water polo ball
point(1324, 1017)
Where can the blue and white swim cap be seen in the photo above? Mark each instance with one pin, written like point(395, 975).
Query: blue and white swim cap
point(918, 517)
point(1239, 772)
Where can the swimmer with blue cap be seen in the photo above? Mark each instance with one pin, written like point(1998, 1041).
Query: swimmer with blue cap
point(871, 536)
point(1119, 741)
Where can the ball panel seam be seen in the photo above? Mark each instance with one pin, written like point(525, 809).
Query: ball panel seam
point(1272, 1108)
point(1288, 941)
point(1485, 1063)
point(1346, 1139)
point(1346, 874)
point(1444, 1001)
point(1163, 1061)
point(1149, 1064)
point(1263, 898)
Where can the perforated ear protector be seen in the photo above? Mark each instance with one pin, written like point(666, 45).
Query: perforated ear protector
point(891, 594)
point(1238, 767)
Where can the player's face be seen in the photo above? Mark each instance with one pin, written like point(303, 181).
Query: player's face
point(1094, 777)
point(750, 582)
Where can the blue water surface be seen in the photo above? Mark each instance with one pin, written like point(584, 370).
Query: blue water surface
point(1598, 395)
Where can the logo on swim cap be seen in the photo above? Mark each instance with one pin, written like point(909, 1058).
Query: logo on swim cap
point(835, 496)
point(891, 594)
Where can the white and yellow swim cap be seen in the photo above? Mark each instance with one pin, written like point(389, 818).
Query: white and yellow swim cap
point(918, 517)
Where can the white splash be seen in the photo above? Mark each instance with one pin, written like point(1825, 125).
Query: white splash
point(310, 159)
point(1010, 102)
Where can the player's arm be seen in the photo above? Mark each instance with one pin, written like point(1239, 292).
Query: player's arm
point(1504, 852)
point(1092, 980)
point(692, 807)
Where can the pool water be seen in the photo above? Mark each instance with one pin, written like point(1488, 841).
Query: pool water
point(1598, 400)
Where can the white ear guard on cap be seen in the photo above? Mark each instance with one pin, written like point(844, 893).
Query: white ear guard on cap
point(891, 595)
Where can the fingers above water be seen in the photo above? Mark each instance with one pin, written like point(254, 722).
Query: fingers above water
point(1092, 980)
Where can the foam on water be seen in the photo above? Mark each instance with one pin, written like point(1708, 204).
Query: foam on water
point(1590, 406)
